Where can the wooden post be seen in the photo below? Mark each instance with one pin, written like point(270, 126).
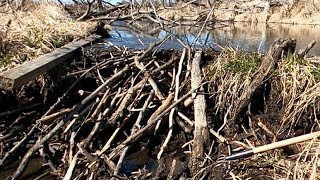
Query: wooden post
point(20, 75)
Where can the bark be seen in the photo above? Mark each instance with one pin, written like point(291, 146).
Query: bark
point(201, 133)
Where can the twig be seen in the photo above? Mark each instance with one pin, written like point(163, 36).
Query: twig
point(51, 117)
point(275, 145)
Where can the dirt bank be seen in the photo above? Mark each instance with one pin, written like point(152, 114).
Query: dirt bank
point(295, 12)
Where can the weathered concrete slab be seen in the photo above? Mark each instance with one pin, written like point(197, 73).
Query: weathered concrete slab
point(20, 75)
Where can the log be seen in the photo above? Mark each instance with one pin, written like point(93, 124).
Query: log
point(20, 75)
point(201, 133)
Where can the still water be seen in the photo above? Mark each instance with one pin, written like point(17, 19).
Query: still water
point(256, 37)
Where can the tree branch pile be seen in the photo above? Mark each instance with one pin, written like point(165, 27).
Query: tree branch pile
point(119, 102)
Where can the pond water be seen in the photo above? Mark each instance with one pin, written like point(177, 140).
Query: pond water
point(250, 37)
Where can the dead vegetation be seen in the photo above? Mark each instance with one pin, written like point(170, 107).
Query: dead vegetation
point(38, 29)
point(154, 114)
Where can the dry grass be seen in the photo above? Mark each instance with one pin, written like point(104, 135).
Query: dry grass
point(37, 30)
point(231, 74)
point(295, 88)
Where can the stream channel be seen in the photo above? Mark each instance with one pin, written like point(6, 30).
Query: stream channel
point(249, 37)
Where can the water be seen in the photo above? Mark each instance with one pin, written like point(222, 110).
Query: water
point(243, 36)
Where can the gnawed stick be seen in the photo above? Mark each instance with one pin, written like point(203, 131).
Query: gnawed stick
point(150, 79)
point(25, 160)
point(71, 167)
point(100, 119)
point(136, 127)
point(52, 117)
point(103, 100)
point(176, 96)
point(83, 151)
point(153, 84)
point(201, 133)
point(303, 52)
point(126, 101)
point(165, 104)
point(136, 136)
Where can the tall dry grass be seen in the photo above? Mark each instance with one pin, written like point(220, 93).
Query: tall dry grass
point(36, 30)
point(295, 88)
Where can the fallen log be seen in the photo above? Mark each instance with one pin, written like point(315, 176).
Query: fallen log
point(201, 133)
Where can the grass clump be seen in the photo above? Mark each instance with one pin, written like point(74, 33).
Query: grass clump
point(242, 63)
point(230, 75)
point(4, 54)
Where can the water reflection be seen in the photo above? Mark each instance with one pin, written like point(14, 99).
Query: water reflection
point(244, 36)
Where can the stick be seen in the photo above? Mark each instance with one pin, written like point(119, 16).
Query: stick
point(274, 146)
point(51, 117)
point(303, 52)
point(19, 109)
point(100, 119)
point(176, 95)
point(71, 167)
point(125, 102)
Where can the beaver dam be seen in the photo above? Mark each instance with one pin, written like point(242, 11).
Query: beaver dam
point(95, 109)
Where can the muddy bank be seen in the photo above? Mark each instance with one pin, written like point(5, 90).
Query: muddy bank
point(292, 12)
